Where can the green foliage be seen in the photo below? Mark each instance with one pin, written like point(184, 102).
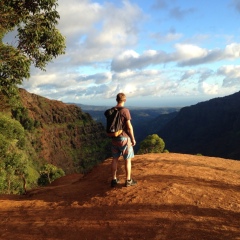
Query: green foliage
point(92, 154)
point(49, 173)
point(152, 144)
point(38, 40)
point(12, 131)
point(14, 67)
point(21, 114)
point(16, 169)
point(13, 162)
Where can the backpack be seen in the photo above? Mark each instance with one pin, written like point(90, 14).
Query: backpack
point(114, 122)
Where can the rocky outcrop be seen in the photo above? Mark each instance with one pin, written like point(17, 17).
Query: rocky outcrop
point(66, 137)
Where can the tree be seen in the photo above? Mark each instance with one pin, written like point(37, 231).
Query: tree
point(37, 39)
point(152, 144)
point(13, 162)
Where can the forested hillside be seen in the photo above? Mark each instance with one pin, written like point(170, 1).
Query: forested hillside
point(211, 128)
point(42, 139)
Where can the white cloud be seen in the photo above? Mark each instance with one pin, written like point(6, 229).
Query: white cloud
point(188, 51)
point(188, 74)
point(100, 78)
point(230, 70)
point(194, 55)
point(185, 55)
point(98, 32)
point(143, 83)
point(231, 75)
point(132, 60)
point(77, 17)
point(232, 50)
point(209, 89)
point(105, 53)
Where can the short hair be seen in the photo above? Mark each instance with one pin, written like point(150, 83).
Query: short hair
point(121, 97)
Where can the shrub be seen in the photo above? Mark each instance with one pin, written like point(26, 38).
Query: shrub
point(152, 144)
point(49, 173)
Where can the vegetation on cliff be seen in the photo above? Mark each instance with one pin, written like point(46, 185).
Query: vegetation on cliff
point(44, 139)
point(39, 138)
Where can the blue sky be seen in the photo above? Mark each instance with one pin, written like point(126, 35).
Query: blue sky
point(158, 52)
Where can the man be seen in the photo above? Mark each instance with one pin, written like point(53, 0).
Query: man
point(123, 144)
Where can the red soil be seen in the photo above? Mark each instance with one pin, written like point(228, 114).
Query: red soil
point(178, 196)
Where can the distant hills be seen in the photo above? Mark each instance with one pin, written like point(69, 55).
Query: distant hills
point(210, 128)
point(146, 121)
point(73, 138)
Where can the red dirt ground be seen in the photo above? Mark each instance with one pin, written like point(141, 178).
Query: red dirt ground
point(178, 196)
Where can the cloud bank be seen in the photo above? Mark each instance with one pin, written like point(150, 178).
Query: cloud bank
point(141, 49)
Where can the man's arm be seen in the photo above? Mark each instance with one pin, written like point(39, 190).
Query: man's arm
point(130, 131)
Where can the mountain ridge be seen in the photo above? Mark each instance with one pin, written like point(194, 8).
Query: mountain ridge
point(42, 139)
point(64, 133)
point(210, 128)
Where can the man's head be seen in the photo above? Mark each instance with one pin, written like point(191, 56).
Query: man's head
point(121, 97)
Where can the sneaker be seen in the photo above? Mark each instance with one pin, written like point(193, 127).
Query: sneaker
point(114, 182)
point(129, 183)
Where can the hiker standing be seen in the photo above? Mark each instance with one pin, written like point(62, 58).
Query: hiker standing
point(122, 145)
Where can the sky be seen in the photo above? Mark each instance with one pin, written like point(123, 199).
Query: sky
point(160, 53)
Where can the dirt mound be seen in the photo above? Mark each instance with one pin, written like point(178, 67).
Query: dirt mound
point(177, 197)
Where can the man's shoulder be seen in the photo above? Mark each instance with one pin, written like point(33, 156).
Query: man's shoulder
point(124, 109)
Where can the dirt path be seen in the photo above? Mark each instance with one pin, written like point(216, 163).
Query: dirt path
point(177, 197)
